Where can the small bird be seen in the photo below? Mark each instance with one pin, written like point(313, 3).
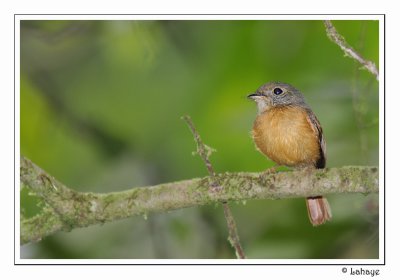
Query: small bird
point(287, 131)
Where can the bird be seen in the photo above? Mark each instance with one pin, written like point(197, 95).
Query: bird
point(287, 131)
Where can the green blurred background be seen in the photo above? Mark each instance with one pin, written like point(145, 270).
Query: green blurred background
point(101, 103)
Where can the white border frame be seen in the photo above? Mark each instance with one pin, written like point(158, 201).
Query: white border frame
point(382, 206)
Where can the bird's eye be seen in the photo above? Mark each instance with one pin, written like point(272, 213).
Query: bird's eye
point(277, 91)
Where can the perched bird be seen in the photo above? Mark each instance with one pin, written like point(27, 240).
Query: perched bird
point(287, 131)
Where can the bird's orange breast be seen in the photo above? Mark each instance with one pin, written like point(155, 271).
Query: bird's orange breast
point(285, 136)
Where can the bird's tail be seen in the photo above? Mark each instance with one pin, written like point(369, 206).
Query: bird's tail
point(318, 209)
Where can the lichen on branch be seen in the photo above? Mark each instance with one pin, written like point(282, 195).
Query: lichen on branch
point(67, 209)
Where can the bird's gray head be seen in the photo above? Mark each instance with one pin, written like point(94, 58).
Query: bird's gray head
point(276, 94)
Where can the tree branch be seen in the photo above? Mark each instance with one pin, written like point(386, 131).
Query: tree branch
point(205, 152)
point(339, 40)
point(67, 209)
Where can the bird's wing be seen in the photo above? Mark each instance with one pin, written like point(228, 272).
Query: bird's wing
point(316, 126)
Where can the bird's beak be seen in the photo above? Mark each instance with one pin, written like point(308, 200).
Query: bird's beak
point(254, 95)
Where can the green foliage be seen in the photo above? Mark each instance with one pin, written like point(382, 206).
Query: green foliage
point(101, 103)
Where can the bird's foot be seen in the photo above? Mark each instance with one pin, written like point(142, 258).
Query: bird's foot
point(269, 171)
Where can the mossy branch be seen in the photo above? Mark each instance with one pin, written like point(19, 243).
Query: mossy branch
point(66, 209)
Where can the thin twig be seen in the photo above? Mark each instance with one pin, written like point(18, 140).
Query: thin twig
point(204, 152)
point(348, 50)
point(233, 234)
